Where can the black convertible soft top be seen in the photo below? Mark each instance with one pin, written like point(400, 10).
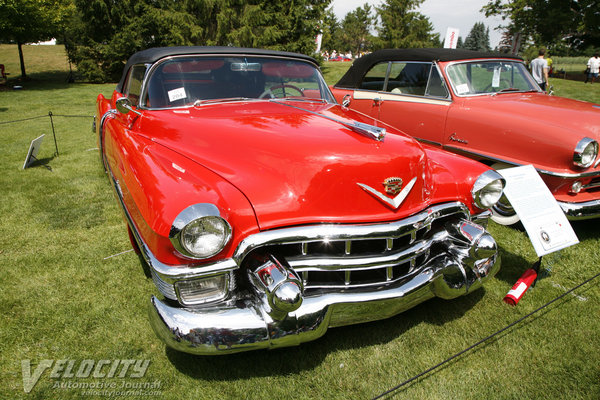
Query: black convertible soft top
point(150, 56)
point(359, 68)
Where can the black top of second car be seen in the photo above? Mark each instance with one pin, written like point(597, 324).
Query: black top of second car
point(359, 68)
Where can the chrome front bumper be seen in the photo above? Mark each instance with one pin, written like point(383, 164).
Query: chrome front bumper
point(465, 256)
point(581, 211)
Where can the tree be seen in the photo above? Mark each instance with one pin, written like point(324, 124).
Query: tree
point(356, 29)
point(104, 33)
point(402, 27)
point(25, 21)
point(332, 31)
point(290, 25)
point(576, 22)
point(478, 38)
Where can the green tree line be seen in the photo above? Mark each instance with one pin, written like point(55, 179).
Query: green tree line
point(100, 35)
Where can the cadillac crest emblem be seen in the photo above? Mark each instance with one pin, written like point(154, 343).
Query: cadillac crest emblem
point(393, 185)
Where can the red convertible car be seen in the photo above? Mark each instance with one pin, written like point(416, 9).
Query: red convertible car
point(266, 213)
point(488, 107)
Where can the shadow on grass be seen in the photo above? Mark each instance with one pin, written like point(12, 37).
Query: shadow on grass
point(47, 80)
point(307, 356)
point(42, 162)
point(586, 229)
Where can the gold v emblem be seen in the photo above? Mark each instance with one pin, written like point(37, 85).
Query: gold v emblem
point(396, 201)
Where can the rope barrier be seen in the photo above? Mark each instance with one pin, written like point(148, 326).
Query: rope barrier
point(46, 116)
point(406, 382)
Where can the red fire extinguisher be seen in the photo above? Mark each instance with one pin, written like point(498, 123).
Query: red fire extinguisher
point(520, 287)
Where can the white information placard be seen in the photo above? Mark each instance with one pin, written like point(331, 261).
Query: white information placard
point(451, 39)
point(543, 219)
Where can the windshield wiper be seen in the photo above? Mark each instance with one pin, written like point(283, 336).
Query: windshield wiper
point(224, 100)
point(510, 89)
point(303, 99)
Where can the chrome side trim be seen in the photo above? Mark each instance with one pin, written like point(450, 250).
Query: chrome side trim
point(362, 94)
point(431, 142)
point(109, 113)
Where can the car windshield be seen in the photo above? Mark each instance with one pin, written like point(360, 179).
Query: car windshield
point(485, 77)
point(198, 80)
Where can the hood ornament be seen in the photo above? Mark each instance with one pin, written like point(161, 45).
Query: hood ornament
point(392, 186)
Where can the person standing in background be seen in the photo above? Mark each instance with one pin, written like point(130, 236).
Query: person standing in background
point(539, 70)
point(593, 65)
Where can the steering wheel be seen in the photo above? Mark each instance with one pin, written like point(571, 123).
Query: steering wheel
point(503, 82)
point(269, 91)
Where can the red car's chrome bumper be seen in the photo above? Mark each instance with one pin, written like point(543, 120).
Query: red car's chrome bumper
point(265, 317)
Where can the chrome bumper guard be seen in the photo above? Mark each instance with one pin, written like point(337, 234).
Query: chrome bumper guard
point(581, 211)
point(280, 305)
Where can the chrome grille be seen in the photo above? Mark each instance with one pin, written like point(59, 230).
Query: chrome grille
point(358, 256)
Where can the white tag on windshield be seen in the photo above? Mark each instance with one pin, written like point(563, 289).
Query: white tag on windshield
point(496, 78)
point(177, 94)
point(462, 89)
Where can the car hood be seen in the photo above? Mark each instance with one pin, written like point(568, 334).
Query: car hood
point(294, 165)
point(575, 117)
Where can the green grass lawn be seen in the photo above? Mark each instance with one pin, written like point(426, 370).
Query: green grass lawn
point(62, 298)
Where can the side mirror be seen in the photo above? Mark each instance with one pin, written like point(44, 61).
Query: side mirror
point(124, 106)
point(346, 100)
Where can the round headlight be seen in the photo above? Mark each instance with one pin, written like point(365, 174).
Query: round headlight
point(205, 237)
point(488, 189)
point(200, 232)
point(585, 152)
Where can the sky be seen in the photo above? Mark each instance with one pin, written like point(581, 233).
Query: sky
point(461, 14)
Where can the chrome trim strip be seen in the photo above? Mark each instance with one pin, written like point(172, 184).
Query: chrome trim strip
point(431, 142)
point(110, 113)
point(541, 171)
point(399, 97)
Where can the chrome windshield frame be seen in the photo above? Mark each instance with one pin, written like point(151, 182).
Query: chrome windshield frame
point(150, 71)
point(528, 77)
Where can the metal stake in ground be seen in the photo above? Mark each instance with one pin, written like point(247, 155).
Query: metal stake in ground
point(53, 133)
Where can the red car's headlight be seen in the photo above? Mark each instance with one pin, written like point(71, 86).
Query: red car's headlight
point(199, 231)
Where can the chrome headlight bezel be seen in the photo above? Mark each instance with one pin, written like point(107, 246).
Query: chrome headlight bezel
point(488, 189)
point(199, 217)
point(585, 153)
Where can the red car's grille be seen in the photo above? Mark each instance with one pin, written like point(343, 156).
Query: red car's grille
point(354, 260)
